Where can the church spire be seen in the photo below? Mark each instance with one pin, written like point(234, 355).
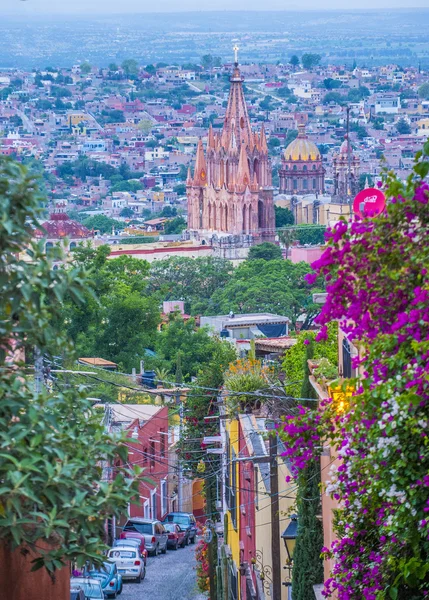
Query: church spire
point(264, 145)
point(189, 177)
point(236, 111)
point(243, 173)
point(200, 171)
point(210, 139)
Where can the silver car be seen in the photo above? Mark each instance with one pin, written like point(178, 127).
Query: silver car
point(154, 533)
point(90, 587)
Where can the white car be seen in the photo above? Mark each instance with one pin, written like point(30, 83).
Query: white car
point(128, 562)
point(90, 587)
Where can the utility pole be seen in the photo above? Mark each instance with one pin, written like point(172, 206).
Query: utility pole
point(180, 470)
point(210, 550)
point(275, 523)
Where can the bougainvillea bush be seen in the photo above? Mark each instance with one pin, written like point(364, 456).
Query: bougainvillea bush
point(201, 554)
point(377, 278)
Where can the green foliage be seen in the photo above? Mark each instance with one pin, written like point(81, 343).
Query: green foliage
point(310, 234)
point(403, 127)
point(85, 68)
point(424, 91)
point(308, 564)
point(175, 226)
point(103, 224)
point(334, 97)
point(275, 286)
point(126, 212)
point(113, 116)
point(192, 280)
point(310, 60)
point(195, 346)
point(284, 216)
point(363, 178)
point(265, 251)
point(294, 365)
point(180, 189)
point(273, 142)
point(130, 67)
point(358, 94)
point(127, 186)
point(292, 134)
point(294, 60)
point(122, 319)
point(332, 84)
point(52, 488)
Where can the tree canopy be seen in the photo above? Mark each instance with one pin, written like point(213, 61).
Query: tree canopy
point(284, 216)
point(265, 251)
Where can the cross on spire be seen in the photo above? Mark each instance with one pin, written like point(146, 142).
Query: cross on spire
point(236, 49)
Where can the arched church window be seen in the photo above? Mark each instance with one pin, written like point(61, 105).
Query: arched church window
point(294, 167)
point(295, 184)
point(305, 168)
point(305, 184)
point(314, 167)
point(314, 184)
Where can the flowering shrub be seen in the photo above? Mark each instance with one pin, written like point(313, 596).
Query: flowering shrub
point(201, 554)
point(246, 375)
point(378, 289)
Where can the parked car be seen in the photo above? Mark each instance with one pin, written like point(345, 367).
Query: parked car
point(108, 576)
point(152, 531)
point(77, 593)
point(129, 562)
point(91, 587)
point(136, 542)
point(186, 521)
point(176, 536)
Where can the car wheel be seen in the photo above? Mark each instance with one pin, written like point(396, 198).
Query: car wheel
point(114, 595)
point(193, 540)
point(164, 550)
point(176, 546)
point(157, 551)
point(183, 544)
point(143, 573)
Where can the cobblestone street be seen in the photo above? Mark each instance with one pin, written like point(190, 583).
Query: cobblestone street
point(170, 576)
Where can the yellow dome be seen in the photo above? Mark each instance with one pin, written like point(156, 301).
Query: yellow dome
point(302, 148)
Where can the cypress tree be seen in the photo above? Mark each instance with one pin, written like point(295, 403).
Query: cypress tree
point(307, 564)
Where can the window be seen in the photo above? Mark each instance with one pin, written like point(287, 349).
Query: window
point(164, 497)
point(146, 510)
point(72, 245)
point(304, 167)
point(153, 507)
point(144, 457)
point(294, 167)
point(314, 184)
point(295, 184)
point(305, 184)
point(138, 527)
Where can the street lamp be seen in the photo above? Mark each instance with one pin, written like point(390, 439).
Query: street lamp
point(289, 536)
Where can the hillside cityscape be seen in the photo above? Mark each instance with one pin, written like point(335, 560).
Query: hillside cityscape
point(214, 305)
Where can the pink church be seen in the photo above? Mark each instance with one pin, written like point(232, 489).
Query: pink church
point(231, 193)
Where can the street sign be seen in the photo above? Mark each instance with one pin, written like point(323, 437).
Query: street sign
point(369, 202)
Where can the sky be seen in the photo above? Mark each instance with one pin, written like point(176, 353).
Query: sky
point(29, 7)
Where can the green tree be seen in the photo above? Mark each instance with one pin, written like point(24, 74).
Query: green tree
point(103, 224)
point(332, 84)
point(286, 238)
point(294, 61)
point(358, 94)
point(130, 67)
point(403, 127)
point(284, 216)
point(424, 91)
point(150, 69)
point(335, 97)
point(180, 189)
point(126, 212)
point(276, 286)
point(175, 226)
point(314, 235)
point(292, 134)
point(273, 143)
point(113, 67)
point(53, 498)
point(192, 280)
point(310, 60)
point(85, 68)
point(145, 126)
point(265, 251)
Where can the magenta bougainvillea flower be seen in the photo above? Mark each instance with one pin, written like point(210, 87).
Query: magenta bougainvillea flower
point(378, 290)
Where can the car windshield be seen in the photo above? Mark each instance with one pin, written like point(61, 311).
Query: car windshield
point(170, 526)
point(122, 554)
point(91, 590)
point(127, 542)
point(139, 527)
point(180, 519)
point(102, 572)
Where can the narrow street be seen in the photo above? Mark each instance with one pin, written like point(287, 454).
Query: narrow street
point(170, 576)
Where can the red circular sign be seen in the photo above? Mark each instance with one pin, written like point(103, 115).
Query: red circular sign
point(369, 203)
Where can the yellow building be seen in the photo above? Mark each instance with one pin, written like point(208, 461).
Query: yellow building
point(75, 118)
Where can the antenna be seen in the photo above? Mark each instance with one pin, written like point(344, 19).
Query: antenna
point(236, 49)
